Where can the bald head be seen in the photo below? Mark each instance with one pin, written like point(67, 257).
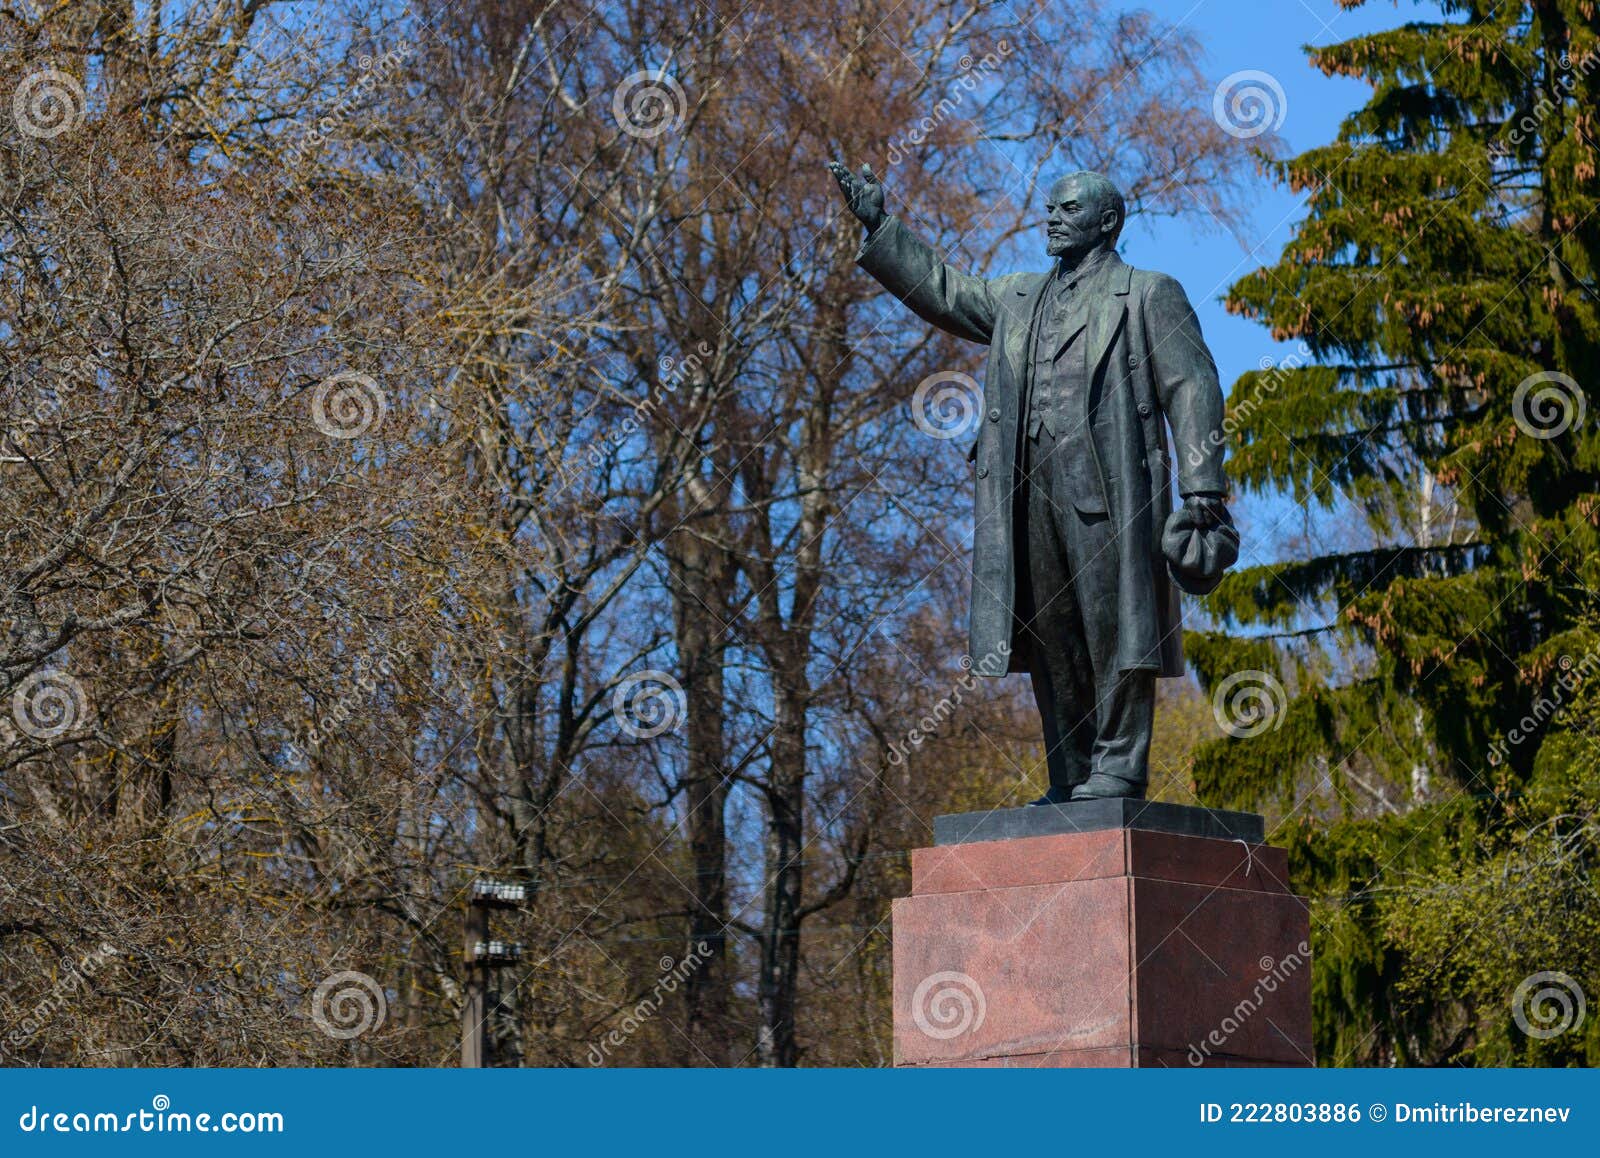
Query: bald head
point(1085, 213)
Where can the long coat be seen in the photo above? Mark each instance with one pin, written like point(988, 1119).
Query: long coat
point(1147, 361)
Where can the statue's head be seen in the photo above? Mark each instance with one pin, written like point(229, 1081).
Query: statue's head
point(1085, 213)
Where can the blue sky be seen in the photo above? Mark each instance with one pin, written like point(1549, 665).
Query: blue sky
point(1267, 35)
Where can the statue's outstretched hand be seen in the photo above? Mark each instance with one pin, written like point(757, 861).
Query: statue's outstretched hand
point(864, 194)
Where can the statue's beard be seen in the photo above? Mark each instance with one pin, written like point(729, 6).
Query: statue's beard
point(1068, 248)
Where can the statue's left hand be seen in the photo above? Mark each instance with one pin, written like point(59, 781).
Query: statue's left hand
point(1208, 510)
point(1199, 543)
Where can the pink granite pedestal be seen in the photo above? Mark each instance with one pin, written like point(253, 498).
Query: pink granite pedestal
point(1117, 947)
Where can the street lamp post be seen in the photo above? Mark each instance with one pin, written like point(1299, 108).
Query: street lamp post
point(480, 955)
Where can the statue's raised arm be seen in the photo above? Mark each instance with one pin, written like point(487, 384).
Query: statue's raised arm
point(952, 299)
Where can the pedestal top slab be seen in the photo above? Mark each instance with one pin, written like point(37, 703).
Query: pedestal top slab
point(1094, 816)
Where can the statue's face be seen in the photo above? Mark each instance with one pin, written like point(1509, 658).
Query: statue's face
point(1076, 221)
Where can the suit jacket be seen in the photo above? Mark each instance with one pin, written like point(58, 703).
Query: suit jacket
point(1147, 362)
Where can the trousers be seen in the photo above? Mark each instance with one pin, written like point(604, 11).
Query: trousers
point(1096, 718)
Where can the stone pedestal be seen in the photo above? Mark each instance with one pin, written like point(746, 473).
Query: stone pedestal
point(1107, 933)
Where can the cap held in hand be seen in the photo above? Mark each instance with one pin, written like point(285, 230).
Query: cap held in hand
point(1199, 543)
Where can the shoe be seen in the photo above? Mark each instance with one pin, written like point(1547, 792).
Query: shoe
point(1054, 796)
point(1103, 787)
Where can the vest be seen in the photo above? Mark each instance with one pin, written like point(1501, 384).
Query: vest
point(1058, 386)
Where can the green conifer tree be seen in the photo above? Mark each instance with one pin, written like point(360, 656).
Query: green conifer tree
point(1392, 695)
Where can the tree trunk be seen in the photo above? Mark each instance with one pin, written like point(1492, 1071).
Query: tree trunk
point(701, 578)
point(780, 940)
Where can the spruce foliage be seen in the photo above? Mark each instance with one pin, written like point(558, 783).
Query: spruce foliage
point(1430, 760)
